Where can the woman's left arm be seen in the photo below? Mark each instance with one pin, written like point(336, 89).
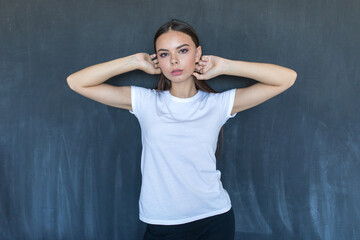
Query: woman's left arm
point(272, 79)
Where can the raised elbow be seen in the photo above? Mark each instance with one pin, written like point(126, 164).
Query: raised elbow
point(292, 78)
point(70, 82)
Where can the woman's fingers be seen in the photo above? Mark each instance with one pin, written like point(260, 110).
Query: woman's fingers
point(199, 76)
point(157, 71)
point(196, 75)
point(155, 61)
point(205, 58)
point(200, 71)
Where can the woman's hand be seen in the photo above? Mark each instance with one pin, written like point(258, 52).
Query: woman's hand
point(147, 63)
point(208, 67)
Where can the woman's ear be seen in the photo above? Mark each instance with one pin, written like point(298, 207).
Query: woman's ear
point(198, 53)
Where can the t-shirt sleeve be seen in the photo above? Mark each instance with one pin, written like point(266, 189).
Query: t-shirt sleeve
point(226, 101)
point(138, 99)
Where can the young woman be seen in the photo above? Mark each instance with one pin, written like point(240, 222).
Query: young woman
point(182, 196)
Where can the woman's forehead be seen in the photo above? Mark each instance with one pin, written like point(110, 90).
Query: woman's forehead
point(173, 39)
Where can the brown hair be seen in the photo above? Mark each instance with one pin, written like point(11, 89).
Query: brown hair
point(164, 83)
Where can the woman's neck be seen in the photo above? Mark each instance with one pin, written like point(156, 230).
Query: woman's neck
point(183, 89)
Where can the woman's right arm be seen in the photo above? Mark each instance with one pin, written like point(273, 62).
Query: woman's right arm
point(89, 81)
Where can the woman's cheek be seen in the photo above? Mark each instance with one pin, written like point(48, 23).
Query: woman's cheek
point(161, 66)
point(164, 69)
point(192, 64)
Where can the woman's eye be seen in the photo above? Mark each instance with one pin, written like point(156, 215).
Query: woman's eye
point(181, 51)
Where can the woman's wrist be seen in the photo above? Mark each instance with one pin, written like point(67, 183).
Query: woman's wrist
point(233, 67)
point(225, 66)
point(134, 61)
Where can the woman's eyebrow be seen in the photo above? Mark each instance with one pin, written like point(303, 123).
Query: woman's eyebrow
point(176, 48)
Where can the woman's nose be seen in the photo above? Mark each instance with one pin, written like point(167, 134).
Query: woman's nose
point(174, 59)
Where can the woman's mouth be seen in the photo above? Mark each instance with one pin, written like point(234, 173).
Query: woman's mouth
point(177, 72)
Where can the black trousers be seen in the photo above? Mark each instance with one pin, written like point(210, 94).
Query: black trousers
point(218, 227)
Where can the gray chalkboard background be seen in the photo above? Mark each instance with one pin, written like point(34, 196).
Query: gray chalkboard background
point(70, 166)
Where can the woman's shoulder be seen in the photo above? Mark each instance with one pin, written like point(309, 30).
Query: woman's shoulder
point(145, 92)
point(143, 89)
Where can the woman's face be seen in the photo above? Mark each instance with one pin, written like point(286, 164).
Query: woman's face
point(177, 51)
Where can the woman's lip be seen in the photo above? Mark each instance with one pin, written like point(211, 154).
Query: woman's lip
point(176, 72)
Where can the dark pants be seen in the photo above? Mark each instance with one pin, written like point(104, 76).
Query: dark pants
point(218, 227)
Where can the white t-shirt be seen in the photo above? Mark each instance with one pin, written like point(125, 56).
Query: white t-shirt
point(180, 182)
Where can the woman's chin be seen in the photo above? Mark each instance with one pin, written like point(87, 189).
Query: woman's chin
point(180, 78)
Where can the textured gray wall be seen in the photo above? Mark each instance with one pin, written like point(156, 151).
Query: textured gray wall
point(70, 167)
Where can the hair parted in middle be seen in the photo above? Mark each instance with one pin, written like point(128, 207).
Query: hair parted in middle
point(180, 26)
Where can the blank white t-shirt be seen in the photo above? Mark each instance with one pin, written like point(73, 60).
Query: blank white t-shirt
point(180, 182)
